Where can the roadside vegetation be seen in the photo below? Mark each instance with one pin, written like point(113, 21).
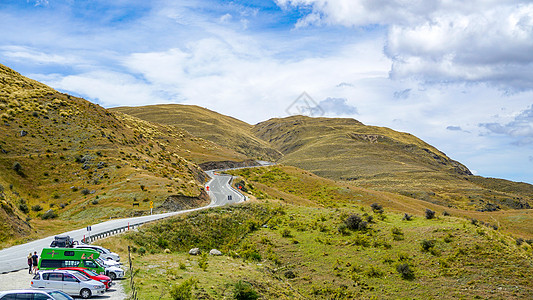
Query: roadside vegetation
point(286, 251)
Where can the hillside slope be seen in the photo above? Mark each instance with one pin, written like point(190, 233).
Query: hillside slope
point(65, 161)
point(201, 122)
point(384, 159)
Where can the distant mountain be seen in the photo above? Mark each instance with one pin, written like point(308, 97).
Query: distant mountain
point(66, 161)
point(201, 122)
point(384, 159)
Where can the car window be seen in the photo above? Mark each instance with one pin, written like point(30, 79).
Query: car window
point(90, 272)
point(25, 296)
point(70, 263)
point(70, 278)
point(58, 295)
point(36, 277)
point(90, 264)
point(40, 297)
point(9, 297)
point(45, 276)
point(82, 277)
point(55, 277)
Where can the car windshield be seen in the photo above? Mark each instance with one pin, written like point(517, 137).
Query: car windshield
point(90, 272)
point(81, 277)
point(59, 295)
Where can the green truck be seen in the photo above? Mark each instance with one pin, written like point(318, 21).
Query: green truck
point(54, 258)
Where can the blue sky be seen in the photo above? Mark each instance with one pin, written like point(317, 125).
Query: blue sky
point(457, 74)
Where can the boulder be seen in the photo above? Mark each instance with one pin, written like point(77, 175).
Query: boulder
point(215, 252)
point(195, 251)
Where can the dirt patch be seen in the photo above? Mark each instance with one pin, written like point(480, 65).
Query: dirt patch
point(181, 202)
point(228, 164)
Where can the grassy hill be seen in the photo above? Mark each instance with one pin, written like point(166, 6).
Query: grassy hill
point(306, 237)
point(383, 159)
point(66, 162)
point(201, 122)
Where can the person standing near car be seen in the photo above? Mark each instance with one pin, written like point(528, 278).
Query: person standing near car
point(35, 262)
point(30, 263)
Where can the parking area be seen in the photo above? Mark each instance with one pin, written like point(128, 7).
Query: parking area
point(21, 280)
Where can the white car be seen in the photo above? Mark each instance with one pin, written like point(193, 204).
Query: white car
point(70, 282)
point(105, 253)
point(40, 294)
point(113, 271)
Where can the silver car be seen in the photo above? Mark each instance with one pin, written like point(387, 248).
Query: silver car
point(41, 294)
point(72, 283)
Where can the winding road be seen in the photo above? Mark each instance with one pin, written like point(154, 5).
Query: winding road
point(219, 190)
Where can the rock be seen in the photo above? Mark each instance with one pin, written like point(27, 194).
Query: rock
point(101, 165)
point(215, 252)
point(167, 251)
point(23, 133)
point(195, 251)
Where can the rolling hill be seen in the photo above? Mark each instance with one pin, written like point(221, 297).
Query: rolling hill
point(201, 122)
point(64, 160)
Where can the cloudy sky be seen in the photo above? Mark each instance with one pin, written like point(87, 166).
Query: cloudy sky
point(458, 74)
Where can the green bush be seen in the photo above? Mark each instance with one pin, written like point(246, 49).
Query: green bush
point(37, 208)
point(430, 214)
point(377, 208)
point(50, 214)
point(183, 291)
point(405, 271)
point(355, 222)
point(244, 291)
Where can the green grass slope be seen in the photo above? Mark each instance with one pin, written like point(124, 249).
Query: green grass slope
point(201, 122)
point(299, 240)
point(384, 159)
point(66, 162)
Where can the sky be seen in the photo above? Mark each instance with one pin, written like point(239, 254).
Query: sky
point(457, 74)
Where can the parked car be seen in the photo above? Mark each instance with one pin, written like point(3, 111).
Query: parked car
point(105, 253)
point(63, 241)
point(93, 275)
point(40, 294)
point(70, 282)
point(113, 271)
point(55, 258)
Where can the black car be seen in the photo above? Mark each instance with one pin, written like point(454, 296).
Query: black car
point(63, 241)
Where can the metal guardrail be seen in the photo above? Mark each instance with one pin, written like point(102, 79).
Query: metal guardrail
point(111, 232)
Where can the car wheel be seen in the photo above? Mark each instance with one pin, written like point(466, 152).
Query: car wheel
point(85, 293)
point(113, 276)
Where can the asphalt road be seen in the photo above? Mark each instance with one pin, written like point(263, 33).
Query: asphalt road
point(14, 258)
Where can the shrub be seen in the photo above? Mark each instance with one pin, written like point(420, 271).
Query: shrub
point(427, 245)
point(343, 229)
point(377, 208)
point(202, 262)
point(85, 192)
point(445, 213)
point(430, 214)
point(141, 250)
point(519, 241)
point(37, 208)
point(405, 271)
point(183, 291)
point(289, 274)
point(17, 167)
point(407, 217)
point(24, 208)
point(355, 222)
point(244, 291)
point(397, 234)
point(286, 233)
point(49, 214)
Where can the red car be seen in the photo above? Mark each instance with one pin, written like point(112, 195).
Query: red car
point(94, 276)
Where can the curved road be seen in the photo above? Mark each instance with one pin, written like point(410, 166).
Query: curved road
point(14, 258)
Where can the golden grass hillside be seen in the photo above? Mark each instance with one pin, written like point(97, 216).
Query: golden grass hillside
point(383, 159)
point(201, 122)
point(66, 162)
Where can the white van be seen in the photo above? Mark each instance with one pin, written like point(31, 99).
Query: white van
point(72, 283)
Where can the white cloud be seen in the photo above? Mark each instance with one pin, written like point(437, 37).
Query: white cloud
point(447, 41)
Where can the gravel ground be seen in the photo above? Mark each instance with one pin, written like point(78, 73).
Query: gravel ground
point(21, 280)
